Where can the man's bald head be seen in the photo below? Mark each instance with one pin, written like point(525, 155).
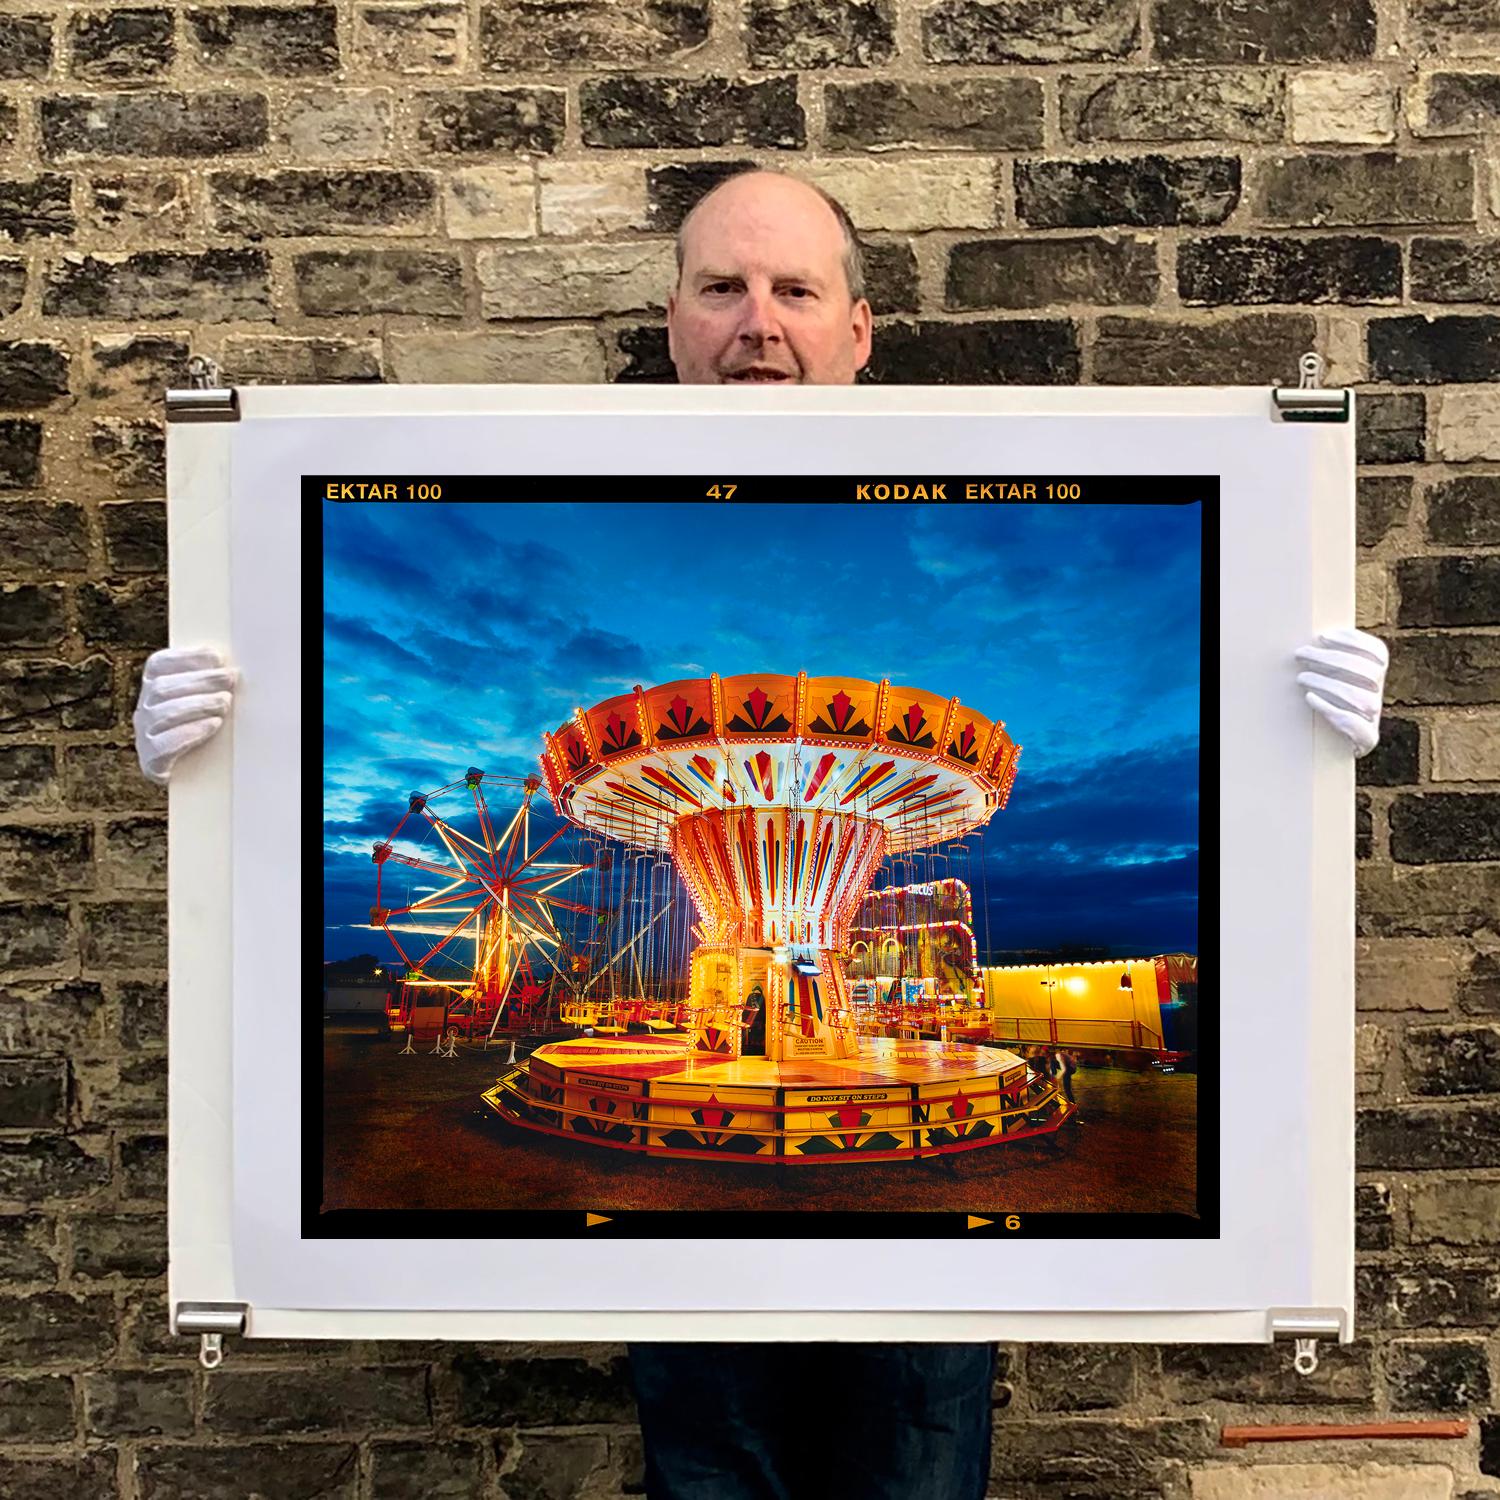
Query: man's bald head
point(770, 286)
point(754, 180)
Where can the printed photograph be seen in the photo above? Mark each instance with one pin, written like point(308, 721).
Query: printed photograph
point(805, 868)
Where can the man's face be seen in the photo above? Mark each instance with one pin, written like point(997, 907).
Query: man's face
point(763, 297)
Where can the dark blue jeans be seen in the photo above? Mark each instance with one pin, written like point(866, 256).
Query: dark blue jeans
point(814, 1421)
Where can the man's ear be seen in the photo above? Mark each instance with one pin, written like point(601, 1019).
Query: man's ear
point(671, 318)
point(864, 326)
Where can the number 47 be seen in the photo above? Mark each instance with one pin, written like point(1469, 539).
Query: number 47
point(722, 491)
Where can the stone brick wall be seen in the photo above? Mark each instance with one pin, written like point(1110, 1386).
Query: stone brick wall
point(1151, 191)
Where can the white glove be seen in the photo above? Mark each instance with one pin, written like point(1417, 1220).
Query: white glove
point(1347, 683)
point(185, 695)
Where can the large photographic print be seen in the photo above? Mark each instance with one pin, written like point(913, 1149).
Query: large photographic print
point(805, 858)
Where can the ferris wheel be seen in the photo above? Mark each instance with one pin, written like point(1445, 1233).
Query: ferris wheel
point(476, 920)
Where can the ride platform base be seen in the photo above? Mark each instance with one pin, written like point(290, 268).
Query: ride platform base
point(894, 1100)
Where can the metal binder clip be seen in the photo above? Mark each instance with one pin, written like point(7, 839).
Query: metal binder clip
point(205, 400)
point(1309, 400)
point(211, 1321)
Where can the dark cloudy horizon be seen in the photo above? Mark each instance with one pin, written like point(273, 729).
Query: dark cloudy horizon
point(455, 634)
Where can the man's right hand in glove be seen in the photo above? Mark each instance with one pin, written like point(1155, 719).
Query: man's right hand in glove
point(185, 696)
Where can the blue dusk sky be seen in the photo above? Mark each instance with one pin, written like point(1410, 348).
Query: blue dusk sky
point(455, 634)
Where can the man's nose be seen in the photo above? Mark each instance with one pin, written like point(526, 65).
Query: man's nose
point(758, 320)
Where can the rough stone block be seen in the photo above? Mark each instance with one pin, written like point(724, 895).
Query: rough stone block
point(265, 41)
point(436, 1471)
point(1374, 1227)
point(20, 456)
point(1142, 191)
point(1440, 827)
point(128, 45)
point(37, 536)
point(943, 193)
point(31, 614)
point(1466, 747)
point(1392, 427)
point(87, 1477)
point(1454, 28)
point(33, 1093)
point(1454, 104)
point(54, 1328)
point(1225, 1372)
point(1374, 187)
point(127, 614)
point(66, 1017)
point(673, 190)
point(42, 859)
point(38, 1410)
point(143, 1168)
point(1372, 595)
point(1342, 108)
point(1453, 668)
point(1437, 1375)
point(36, 208)
point(332, 283)
point(1197, 104)
point(1426, 1136)
point(1365, 1481)
point(39, 693)
point(137, 1403)
point(982, 114)
point(143, 1014)
point(1395, 761)
point(583, 280)
point(580, 199)
point(215, 122)
point(459, 122)
point(568, 356)
point(490, 202)
point(1406, 974)
point(1452, 1060)
point(1080, 1377)
point(1383, 504)
point(1454, 270)
point(108, 778)
point(323, 202)
point(134, 853)
point(132, 453)
point(973, 31)
point(1459, 1212)
point(1372, 1051)
point(264, 359)
point(411, 39)
point(210, 286)
point(1449, 590)
point(36, 1170)
point(530, 36)
point(1468, 425)
point(1017, 351)
point(528, 1392)
point(677, 113)
point(28, 779)
point(1232, 268)
point(1228, 351)
point(1435, 351)
point(12, 285)
point(143, 205)
point(319, 124)
point(133, 369)
point(1019, 273)
point(133, 1245)
point(266, 1403)
point(25, 46)
point(820, 33)
point(1264, 31)
point(289, 1471)
point(124, 934)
